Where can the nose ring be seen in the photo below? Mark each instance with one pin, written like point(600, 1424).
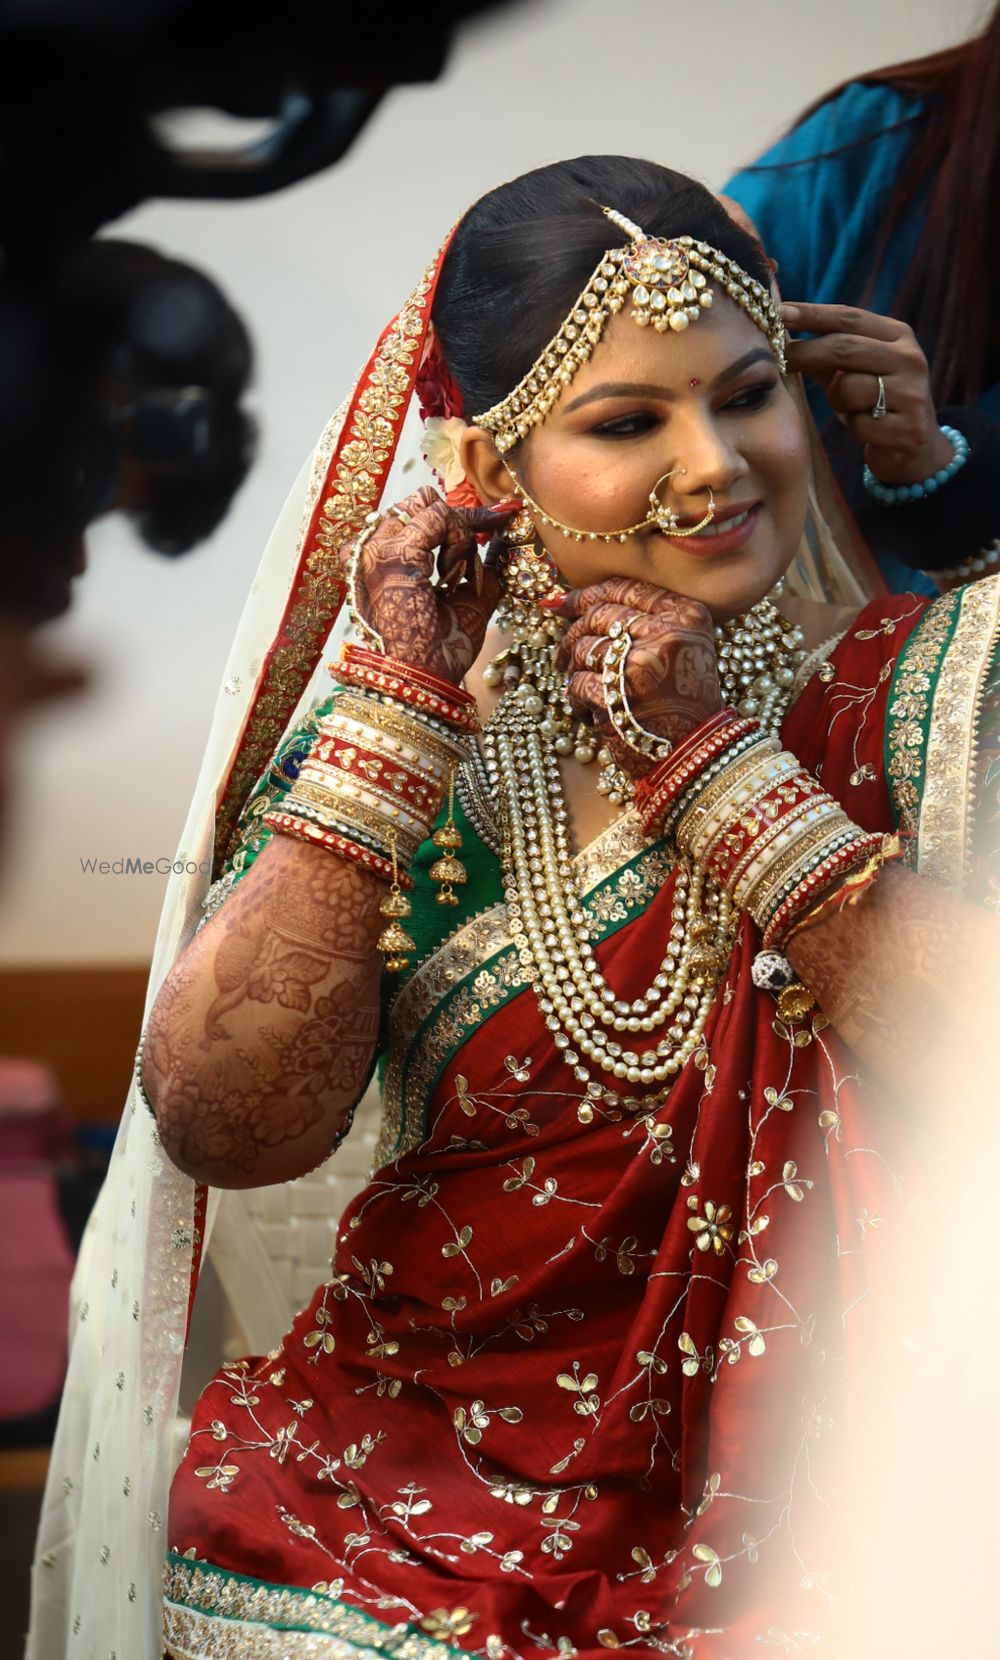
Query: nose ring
point(666, 519)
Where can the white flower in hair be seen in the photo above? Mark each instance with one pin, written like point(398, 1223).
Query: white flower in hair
point(440, 448)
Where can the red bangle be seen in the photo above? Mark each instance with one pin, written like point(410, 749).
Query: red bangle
point(286, 824)
point(841, 862)
point(359, 666)
point(657, 793)
point(389, 778)
point(757, 824)
point(850, 890)
point(366, 658)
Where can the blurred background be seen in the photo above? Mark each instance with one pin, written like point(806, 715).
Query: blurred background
point(314, 273)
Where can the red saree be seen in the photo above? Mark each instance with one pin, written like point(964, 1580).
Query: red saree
point(569, 1384)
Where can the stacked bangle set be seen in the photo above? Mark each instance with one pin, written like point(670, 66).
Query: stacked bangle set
point(747, 811)
point(373, 783)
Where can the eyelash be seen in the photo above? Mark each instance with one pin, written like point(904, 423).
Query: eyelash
point(754, 398)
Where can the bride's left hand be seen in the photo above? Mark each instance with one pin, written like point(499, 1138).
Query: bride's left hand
point(671, 672)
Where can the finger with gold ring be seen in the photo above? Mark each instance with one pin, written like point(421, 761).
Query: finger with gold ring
point(879, 410)
point(401, 514)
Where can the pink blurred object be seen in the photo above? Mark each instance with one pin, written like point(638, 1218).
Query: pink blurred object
point(36, 1263)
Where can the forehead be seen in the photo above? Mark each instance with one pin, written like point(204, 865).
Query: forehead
point(704, 350)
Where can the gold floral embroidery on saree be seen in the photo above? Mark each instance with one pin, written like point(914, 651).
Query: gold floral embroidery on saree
point(618, 873)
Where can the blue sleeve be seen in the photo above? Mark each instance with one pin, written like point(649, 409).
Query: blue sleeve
point(818, 196)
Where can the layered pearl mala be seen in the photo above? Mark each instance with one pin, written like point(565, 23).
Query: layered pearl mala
point(550, 932)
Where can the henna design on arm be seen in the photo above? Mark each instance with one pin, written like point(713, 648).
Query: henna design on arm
point(262, 1037)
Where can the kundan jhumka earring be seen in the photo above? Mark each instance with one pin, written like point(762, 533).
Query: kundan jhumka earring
point(524, 667)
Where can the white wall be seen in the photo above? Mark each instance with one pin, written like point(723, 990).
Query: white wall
point(317, 272)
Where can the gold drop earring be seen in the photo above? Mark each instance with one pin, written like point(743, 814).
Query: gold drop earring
point(525, 668)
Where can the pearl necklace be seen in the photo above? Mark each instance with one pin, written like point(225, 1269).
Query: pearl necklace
point(552, 936)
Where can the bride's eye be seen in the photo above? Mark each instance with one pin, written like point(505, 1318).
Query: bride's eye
point(752, 397)
point(625, 426)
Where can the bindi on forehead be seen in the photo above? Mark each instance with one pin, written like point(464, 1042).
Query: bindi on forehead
point(694, 381)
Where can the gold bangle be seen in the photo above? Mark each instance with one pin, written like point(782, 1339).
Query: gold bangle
point(770, 833)
point(427, 743)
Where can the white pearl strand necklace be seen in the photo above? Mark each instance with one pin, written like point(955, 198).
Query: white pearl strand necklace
point(550, 932)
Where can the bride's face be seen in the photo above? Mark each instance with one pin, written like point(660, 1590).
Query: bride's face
point(710, 401)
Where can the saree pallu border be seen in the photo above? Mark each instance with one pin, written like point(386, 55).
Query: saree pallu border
point(477, 971)
point(211, 1613)
point(933, 728)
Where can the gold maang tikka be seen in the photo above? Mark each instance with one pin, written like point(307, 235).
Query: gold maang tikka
point(670, 283)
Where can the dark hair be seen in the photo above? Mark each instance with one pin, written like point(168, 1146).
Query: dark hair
point(950, 294)
point(522, 254)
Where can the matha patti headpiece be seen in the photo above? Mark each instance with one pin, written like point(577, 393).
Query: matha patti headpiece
point(668, 282)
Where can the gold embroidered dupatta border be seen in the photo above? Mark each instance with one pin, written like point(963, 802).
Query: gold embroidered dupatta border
point(476, 970)
point(947, 806)
point(933, 728)
point(218, 1615)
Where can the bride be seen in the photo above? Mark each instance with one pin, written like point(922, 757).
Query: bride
point(612, 889)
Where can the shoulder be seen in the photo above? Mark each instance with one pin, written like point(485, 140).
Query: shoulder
point(816, 194)
point(858, 115)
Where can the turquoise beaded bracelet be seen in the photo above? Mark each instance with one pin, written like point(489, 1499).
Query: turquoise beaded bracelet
point(889, 494)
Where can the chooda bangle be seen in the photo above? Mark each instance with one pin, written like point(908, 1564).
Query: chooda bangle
point(407, 684)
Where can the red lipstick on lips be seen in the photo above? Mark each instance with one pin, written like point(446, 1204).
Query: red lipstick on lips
point(725, 541)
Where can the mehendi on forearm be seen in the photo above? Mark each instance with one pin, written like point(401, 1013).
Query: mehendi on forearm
point(262, 1037)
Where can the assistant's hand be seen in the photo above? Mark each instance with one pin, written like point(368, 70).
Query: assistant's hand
point(439, 625)
point(671, 673)
point(851, 349)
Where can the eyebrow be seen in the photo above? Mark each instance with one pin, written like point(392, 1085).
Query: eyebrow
point(648, 389)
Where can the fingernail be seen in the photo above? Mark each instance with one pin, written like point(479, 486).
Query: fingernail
point(553, 602)
point(790, 313)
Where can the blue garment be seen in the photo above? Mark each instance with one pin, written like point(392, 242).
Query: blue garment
point(818, 198)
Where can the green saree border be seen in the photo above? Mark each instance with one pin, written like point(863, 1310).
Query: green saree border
point(932, 728)
point(947, 805)
point(206, 1604)
point(470, 977)
point(911, 694)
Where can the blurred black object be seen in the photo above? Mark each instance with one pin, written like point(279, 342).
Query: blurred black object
point(85, 422)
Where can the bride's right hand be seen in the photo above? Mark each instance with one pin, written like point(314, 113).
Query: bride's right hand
point(438, 625)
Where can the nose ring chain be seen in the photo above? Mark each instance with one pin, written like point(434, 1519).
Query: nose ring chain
point(660, 517)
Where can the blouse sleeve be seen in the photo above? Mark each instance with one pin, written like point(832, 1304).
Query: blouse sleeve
point(818, 197)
